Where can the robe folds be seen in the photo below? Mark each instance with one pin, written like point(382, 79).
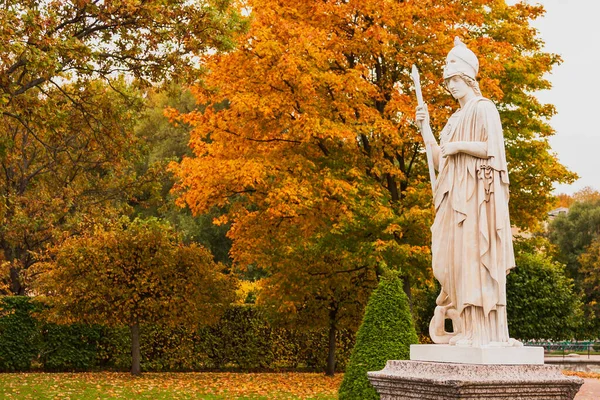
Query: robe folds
point(472, 250)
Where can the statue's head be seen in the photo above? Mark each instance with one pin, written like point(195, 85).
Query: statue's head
point(461, 61)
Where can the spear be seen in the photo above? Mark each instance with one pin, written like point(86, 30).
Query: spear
point(417, 81)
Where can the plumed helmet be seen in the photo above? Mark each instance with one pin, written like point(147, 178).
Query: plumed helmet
point(461, 60)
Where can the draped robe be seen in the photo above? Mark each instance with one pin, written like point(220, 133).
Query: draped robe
point(472, 248)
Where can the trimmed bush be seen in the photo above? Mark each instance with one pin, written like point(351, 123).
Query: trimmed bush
point(241, 340)
point(386, 333)
point(69, 347)
point(19, 334)
point(114, 349)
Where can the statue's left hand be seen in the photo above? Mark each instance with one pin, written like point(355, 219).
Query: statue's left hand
point(449, 149)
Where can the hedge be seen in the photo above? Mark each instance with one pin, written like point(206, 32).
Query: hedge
point(241, 340)
point(19, 334)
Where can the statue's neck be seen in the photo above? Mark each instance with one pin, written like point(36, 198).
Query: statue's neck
point(466, 98)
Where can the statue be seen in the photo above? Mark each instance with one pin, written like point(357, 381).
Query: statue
point(472, 250)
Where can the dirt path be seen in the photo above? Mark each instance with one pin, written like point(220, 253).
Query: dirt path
point(590, 390)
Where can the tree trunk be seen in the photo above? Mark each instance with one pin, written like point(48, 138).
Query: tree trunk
point(136, 368)
point(15, 283)
point(330, 371)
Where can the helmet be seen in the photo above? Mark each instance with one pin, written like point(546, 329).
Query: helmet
point(461, 60)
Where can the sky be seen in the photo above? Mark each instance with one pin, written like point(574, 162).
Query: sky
point(571, 28)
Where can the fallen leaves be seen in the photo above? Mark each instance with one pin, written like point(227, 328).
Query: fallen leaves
point(581, 374)
point(109, 385)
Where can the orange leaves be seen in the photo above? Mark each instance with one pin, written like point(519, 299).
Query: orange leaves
point(308, 137)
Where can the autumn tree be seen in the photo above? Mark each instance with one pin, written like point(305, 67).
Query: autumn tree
point(162, 143)
point(564, 200)
point(66, 138)
point(308, 139)
point(133, 273)
point(587, 194)
point(315, 283)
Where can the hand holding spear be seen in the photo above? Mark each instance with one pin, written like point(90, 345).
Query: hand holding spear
point(424, 125)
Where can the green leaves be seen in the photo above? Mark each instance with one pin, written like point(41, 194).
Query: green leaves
point(542, 302)
point(386, 333)
point(71, 73)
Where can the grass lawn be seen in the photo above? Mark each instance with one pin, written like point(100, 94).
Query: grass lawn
point(209, 386)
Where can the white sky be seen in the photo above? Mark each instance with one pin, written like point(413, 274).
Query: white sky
point(571, 28)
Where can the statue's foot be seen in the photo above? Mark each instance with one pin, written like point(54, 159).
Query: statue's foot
point(464, 343)
point(456, 338)
point(514, 343)
point(510, 343)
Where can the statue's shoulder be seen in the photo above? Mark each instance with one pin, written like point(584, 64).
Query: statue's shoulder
point(484, 104)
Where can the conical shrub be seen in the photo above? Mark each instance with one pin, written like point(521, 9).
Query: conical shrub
point(386, 333)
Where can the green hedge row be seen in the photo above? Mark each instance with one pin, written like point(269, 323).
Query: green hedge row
point(242, 340)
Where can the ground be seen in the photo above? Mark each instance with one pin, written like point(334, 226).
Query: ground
point(167, 386)
point(590, 390)
point(205, 386)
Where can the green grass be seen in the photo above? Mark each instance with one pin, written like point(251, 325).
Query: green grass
point(209, 386)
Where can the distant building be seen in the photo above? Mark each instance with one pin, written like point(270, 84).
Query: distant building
point(551, 215)
point(556, 212)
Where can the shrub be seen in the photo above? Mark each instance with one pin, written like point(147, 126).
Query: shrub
point(19, 334)
point(114, 349)
point(242, 340)
point(542, 303)
point(386, 333)
point(69, 347)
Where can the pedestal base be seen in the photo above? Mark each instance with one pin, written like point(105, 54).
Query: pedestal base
point(477, 355)
point(401, 380)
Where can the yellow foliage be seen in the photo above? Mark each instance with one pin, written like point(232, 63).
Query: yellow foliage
point(247, 287)
point(4, 277)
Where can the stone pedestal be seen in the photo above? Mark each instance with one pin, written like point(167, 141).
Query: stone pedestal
point(401, 380)
point(477, 355)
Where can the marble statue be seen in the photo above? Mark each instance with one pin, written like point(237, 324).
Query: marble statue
point(472, 250)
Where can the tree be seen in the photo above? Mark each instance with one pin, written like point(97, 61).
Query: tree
point(573, 232)
point(164, 143)
point(66, 136)
point(587, 194)
point(386, 333)
point(307, 134)
point(133, 273)
point(542, 302)
point(564, 200)
point(589, 261)
point(326, 291)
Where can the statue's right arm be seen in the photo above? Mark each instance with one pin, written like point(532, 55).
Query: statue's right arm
point(422, 119)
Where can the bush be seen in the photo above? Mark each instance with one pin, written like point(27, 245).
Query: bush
point(114, 349)
point(19, 334)
point(69, 347)
point(242, 340)
point(386, 333)
point(541, 300)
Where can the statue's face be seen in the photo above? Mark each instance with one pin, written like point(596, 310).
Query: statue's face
point(458, 87)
